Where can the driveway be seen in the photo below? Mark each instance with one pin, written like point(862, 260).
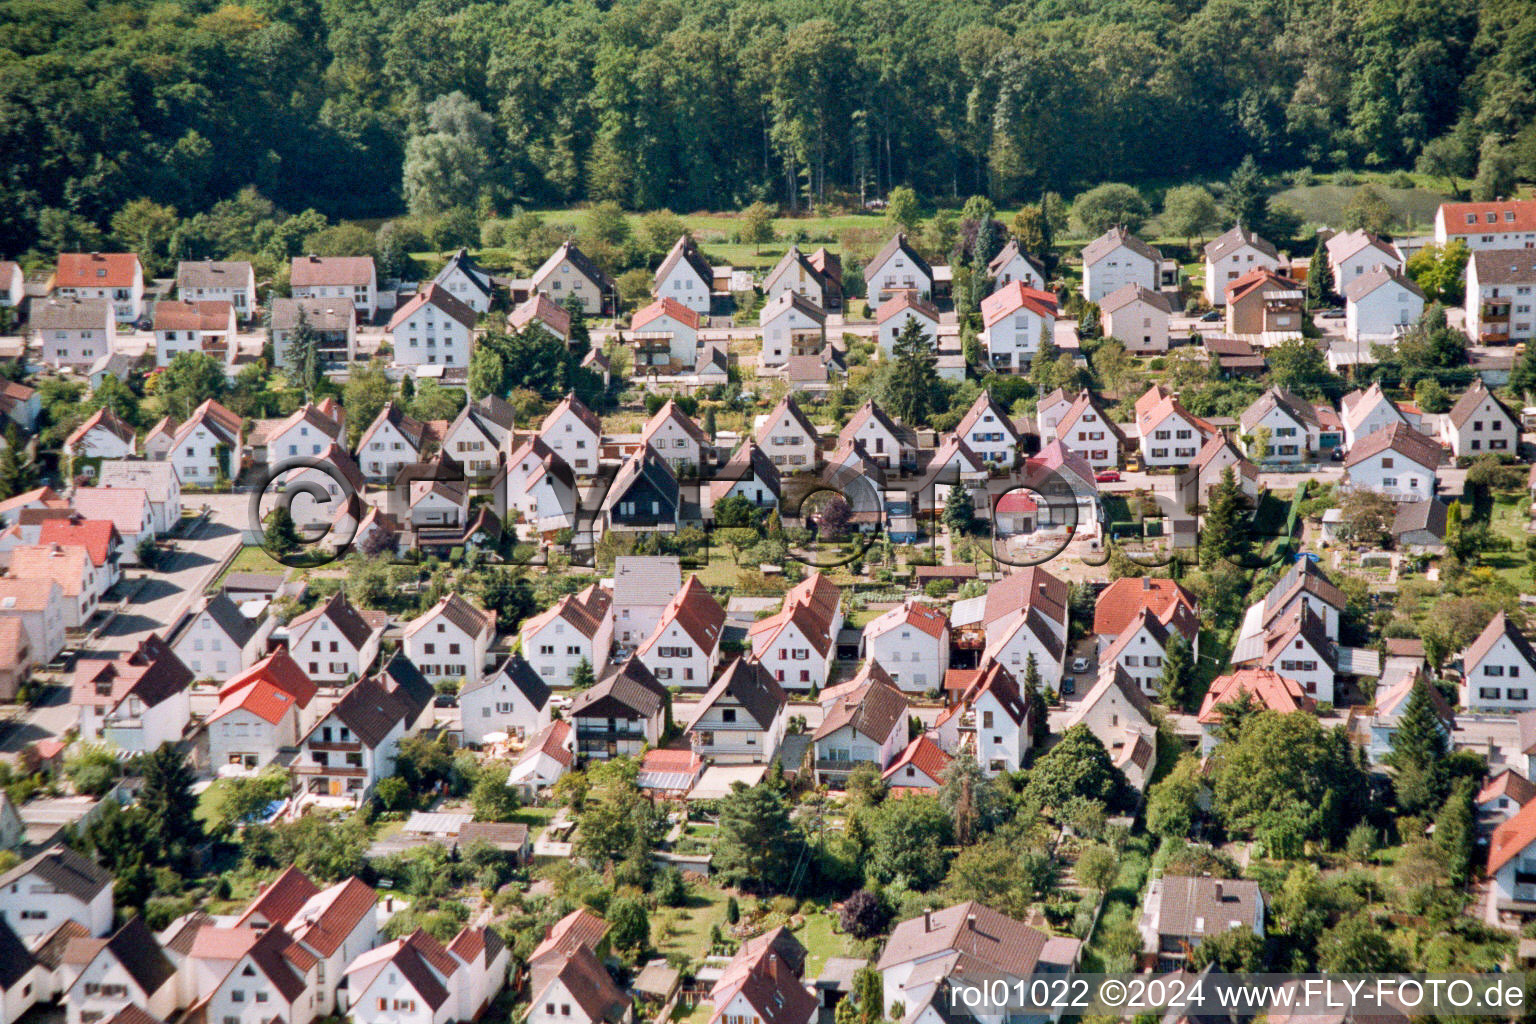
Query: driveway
point(159, 599)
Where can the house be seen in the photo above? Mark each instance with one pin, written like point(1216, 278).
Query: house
point(158, 481)
point(569, 272)
point(578, 990)
point(1365, 412)
point(1012, 263)
point(749, 474)
point(1302, 584)
point(305, 433)
point(762, 984)
point(644, 495)
point(1511, 865)
point(332, 322)
point(392, 441)
point(1233, 357)
point(451, 640)
point(100, 436)
point(261, 711)
point(1233, 256)
point(245, 975)
point(346, 752)
point(23, 976)
point(864, 721)
point(337, 924)
point(1209, 467)
point(921, 766)
point(73, 333)
point(1298, 646)
point(320, 488)
point(1170, 435)
point(1016, 320)
point(207, 327)
point(685, 276)
point(97, 537)
point(38, 605)
point(795, 272)
point(1498, 669)
point(128, 510)
point(233, 282)
point(1268, 690)
point(574, 432)
point(1118, 258)
point(333, 642)
point(1137, 317)
point(1379, 304)
point(1120, 604)
point(798, 642)
point(217, 640)
point(899, 310)
point(54, 886)
point(540, 487)
point(741, 720)
point(1000, 716)
point(951, 946)
point(986, 430)
point(463, 278)
point(1500, 224)
point(1397, 686)
point(82, 584)
point(897, 268)
point(1138, 652)
point(788, 437)
point(548, 755)
point(128, 969)
point(1397, 461)
point(1420, 525)
point(1480, 423)
point(620, 716)
point(1353, 254)
point(433, 329)
point(577, 628)
point(892, 446)
point(20, 404)
point(664, 333)
point(206, 449)
point(1499, 307)
point(1265, 305)
point(1066, 481)
point(1502, 797)
point(1021, 616)
point(1180, 911)
point(13, 284)
point(1279, 427)
point(1085, 429)
point(116, 278)
point(540, 311)
point(684, 648)
point(598, 363)
point(791, 325)
point(1118, 712)
point(911, 642)
point(339, 278)
point(513, 699)
point(643, 587)
point(134, 701)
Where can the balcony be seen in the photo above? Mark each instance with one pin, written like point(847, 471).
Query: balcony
point(827, 764)
point(334, 770)
point(609, 735)
point(348, 747)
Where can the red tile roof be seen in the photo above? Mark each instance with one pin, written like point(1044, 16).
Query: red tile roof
point(922, 754)
point(104, 419)
point(435, 295)
point(193, 316)
point(932, 621)
point(97, 270)
point(267, 689)
point(665, 307)
point(1014, 296)
point(1511, 838)
point(1270, 691)
point(1508, 215)
point(1124, 599)
point(280, 899)
point(97, 536)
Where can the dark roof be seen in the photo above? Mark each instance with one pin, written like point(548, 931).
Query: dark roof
point(644, 464)
point(1235, 239)
point(591, 271)
point(747, 463)
point(788, 406)
point(1413, 516)
point(1500, 626)
point(632, 687)
point(340, 611)
point(591, 987)
point(1111, 240)
point(686, 250)
point(1300, 411)
point(15, 961)
point(465, 262)
point(521, 675)
point(404, 676)
point(1467, 405)
point(64, 869)
point(898, 243)
point(50, 951)
point(1403, 440)
point(370, 709)
point(873, 709)
point(135, 948)
point(228, 617)
point(747, 683)
point(1504, 266)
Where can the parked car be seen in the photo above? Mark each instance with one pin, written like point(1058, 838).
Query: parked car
point(1333, 314)
point(1079, 664)
point(1211, 317)
point(1337, 455)
point(1109, 476)
point(1068, 686)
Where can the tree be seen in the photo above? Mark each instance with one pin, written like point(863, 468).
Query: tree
point(1237, 950)
point(1078, 766)
point(1432, 343)
point(582, 677)
point(492, 799)
point(757, 225)
point(913, 391)
point(1447, 157)
point(1320, 284)
point(659, 231)
point(1456, 832)
point(189, 380)
point(959, 511)
point(1358, 945)
point(1034, 697)
point(1174, 802)
point(281, 536)
point(1522, 379)
point(617, 824)
point(756, 846)
point(908, 842)
point(1219, 537)
point(1369, 210)
point(92, 769)
point(863, 915)
point(1367, 517)
point(1299, 365)
point(170, 805)
point(901, 209)
point(1176, 681)
point(146, 228)
point(629, 925)
point(1246, 198)
point(1097, 867)
point(1109, 205)
point(448, 164)
point(367, 390)
point(303, 355)
point(17, 473)
point(1438, 272)
point(969, 797)
point(1496, 171)
point(1419, 747)
point(1189, 211)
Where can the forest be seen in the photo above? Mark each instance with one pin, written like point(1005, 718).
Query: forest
point(367, 108)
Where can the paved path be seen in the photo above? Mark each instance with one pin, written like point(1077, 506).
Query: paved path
point(162, 597)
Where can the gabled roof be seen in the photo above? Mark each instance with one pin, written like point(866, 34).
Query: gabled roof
point(686, 250)
point(787, 300)
point(128, 508)
point(904, 301)
point(1499, 626)
point(1262, 281)
point(1509, 784)
point(68, 872)
point(341, 614)
point(578, 259)
point(925, 618)
point(1400, 439)
point(151, 672)
point(208, 315)
point(991, 942)
point(589, 986)
point(1420, 516)
point(1014, 296)
point(1270, 691)
point(323, 314)
point(1357, 405)
point(66, 566)
point(327, 271)
point(1120, 603)
point(672, 411)
point(851, 460)
point(695, 609)
point(778, 942)
point(421, 960)
point(1230, 241)
point(1000, 684)
point(1472, 400)
point(221, 422)
point(371, 710)
point(576, 407)
point(873, 709)
point(101, 419)
point(268, 689)
point(1304, 575)
point(1113, 682)
point(580, 928)
point(1504, 266)
point(1197, 905)
point(521, 675)
point(308, 414)
point(787, 406)
point(413, 430)
point(466, 264)
point(645, 579)
point(134, 947)
point(16, 961)
point(774, 993)
point(664, 307)
point(807, 267)
point(872, 411)
point(552, 741)
point(1126, 294)
point(1215, 445)
point(97, 270)
point(280, 898)
point(1007, 254)
point(1300, 623)
point(812, 605)
point(1150, 416)
point(983, 405)
point(1113, 239)
point(746, 683)
point(1511, 837)
point(897, 244)
point(749, 462)
point(1026, 588)
point(541, 309)
point(465, 616)
point(924, 755)
point(1086, 401)
point(632, 687)
point(98, 536)
point(1345, 244)
point(329, 916)
point(1277, 398)
point(1374, 278)
point(585, 610)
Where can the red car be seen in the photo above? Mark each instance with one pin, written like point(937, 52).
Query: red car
point(1109, 476)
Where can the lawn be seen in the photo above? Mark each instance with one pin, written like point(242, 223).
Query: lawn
point(821, 940)
point(1122, 904)
point(1325, 203)
point(690, 932)
point(1507, 519)
point(252, 559)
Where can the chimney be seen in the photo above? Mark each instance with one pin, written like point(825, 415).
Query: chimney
point(927, 921)
point(1218, 892)
point(1146, 583)
point(773, 960)
point(970, 922)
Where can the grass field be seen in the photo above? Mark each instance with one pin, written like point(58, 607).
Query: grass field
point(252, 559)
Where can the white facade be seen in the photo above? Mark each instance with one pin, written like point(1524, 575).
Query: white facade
point(889, 329)
point(556, 647)
point(793, 659)
point(1488, 427)
point(1173, 441)
point(235, 284)
point(385, 450)
point(1139, 325)
point(429, 336)
point(202, 458)
point(442, 650)
point(784, 439)
point(326, 654)
point(499, 705)
point(1392, 473)
point(683, 285)
point(211, 653)
point(1012, 341)
point(33, 906)
point(73, 343)
point(915, 658)
point(573, 439)
point(1502, 680)
point(242, 737)
point(1373, 318)
point(782, 330)
point(1230, 266)
point(1117, 268)
point(675, 658)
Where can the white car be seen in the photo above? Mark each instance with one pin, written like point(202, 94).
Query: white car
point(1079, 664)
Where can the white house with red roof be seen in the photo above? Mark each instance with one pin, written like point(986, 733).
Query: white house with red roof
point(1479, 423)
point(919, 767)
point(987, 430)
point(1353, 254)
point(742, 718)
point(798, 643)
point(863, 721)
point(1139, 651)
point(674, 436)
point(576, 628)
point(71, 568)
point(1016, 318)
point(665, 332)
point(98, 537)
point(206, 448)
point(1170, 435)
point(541, 487)
point(260, 711)
point(684, 648)
point(791, 325)
point(1498, 669)
point(1396, 461)
point(252, 976)
point(233, 282)
point(101, 436)
point(308, 431)
point(73, 333)
point(763, 985)
point(1297, 646)
point(1367, 411)
point(1269, 691)
point(334, 642)
point(1121, 603)
point(1502, 797)
point(352, 278)
point(338, 924)
point(1118, 258)
point(390, 443)
point(1233, 255)
point(896, 312)
point(788, 437)
point(207, 327)
point(1084, 427)
point(574, 432)
point(576, 988)
point(548, 755)
point(539, 310)
point(128, 509)
point(433, 329)
point(116, 277)
point(911, 642)
point(1500, 224)
point(1512, 868)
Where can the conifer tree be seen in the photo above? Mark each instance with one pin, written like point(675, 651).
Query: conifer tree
point(1418, 753)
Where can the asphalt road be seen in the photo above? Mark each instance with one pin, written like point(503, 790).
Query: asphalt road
point(159, 599)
